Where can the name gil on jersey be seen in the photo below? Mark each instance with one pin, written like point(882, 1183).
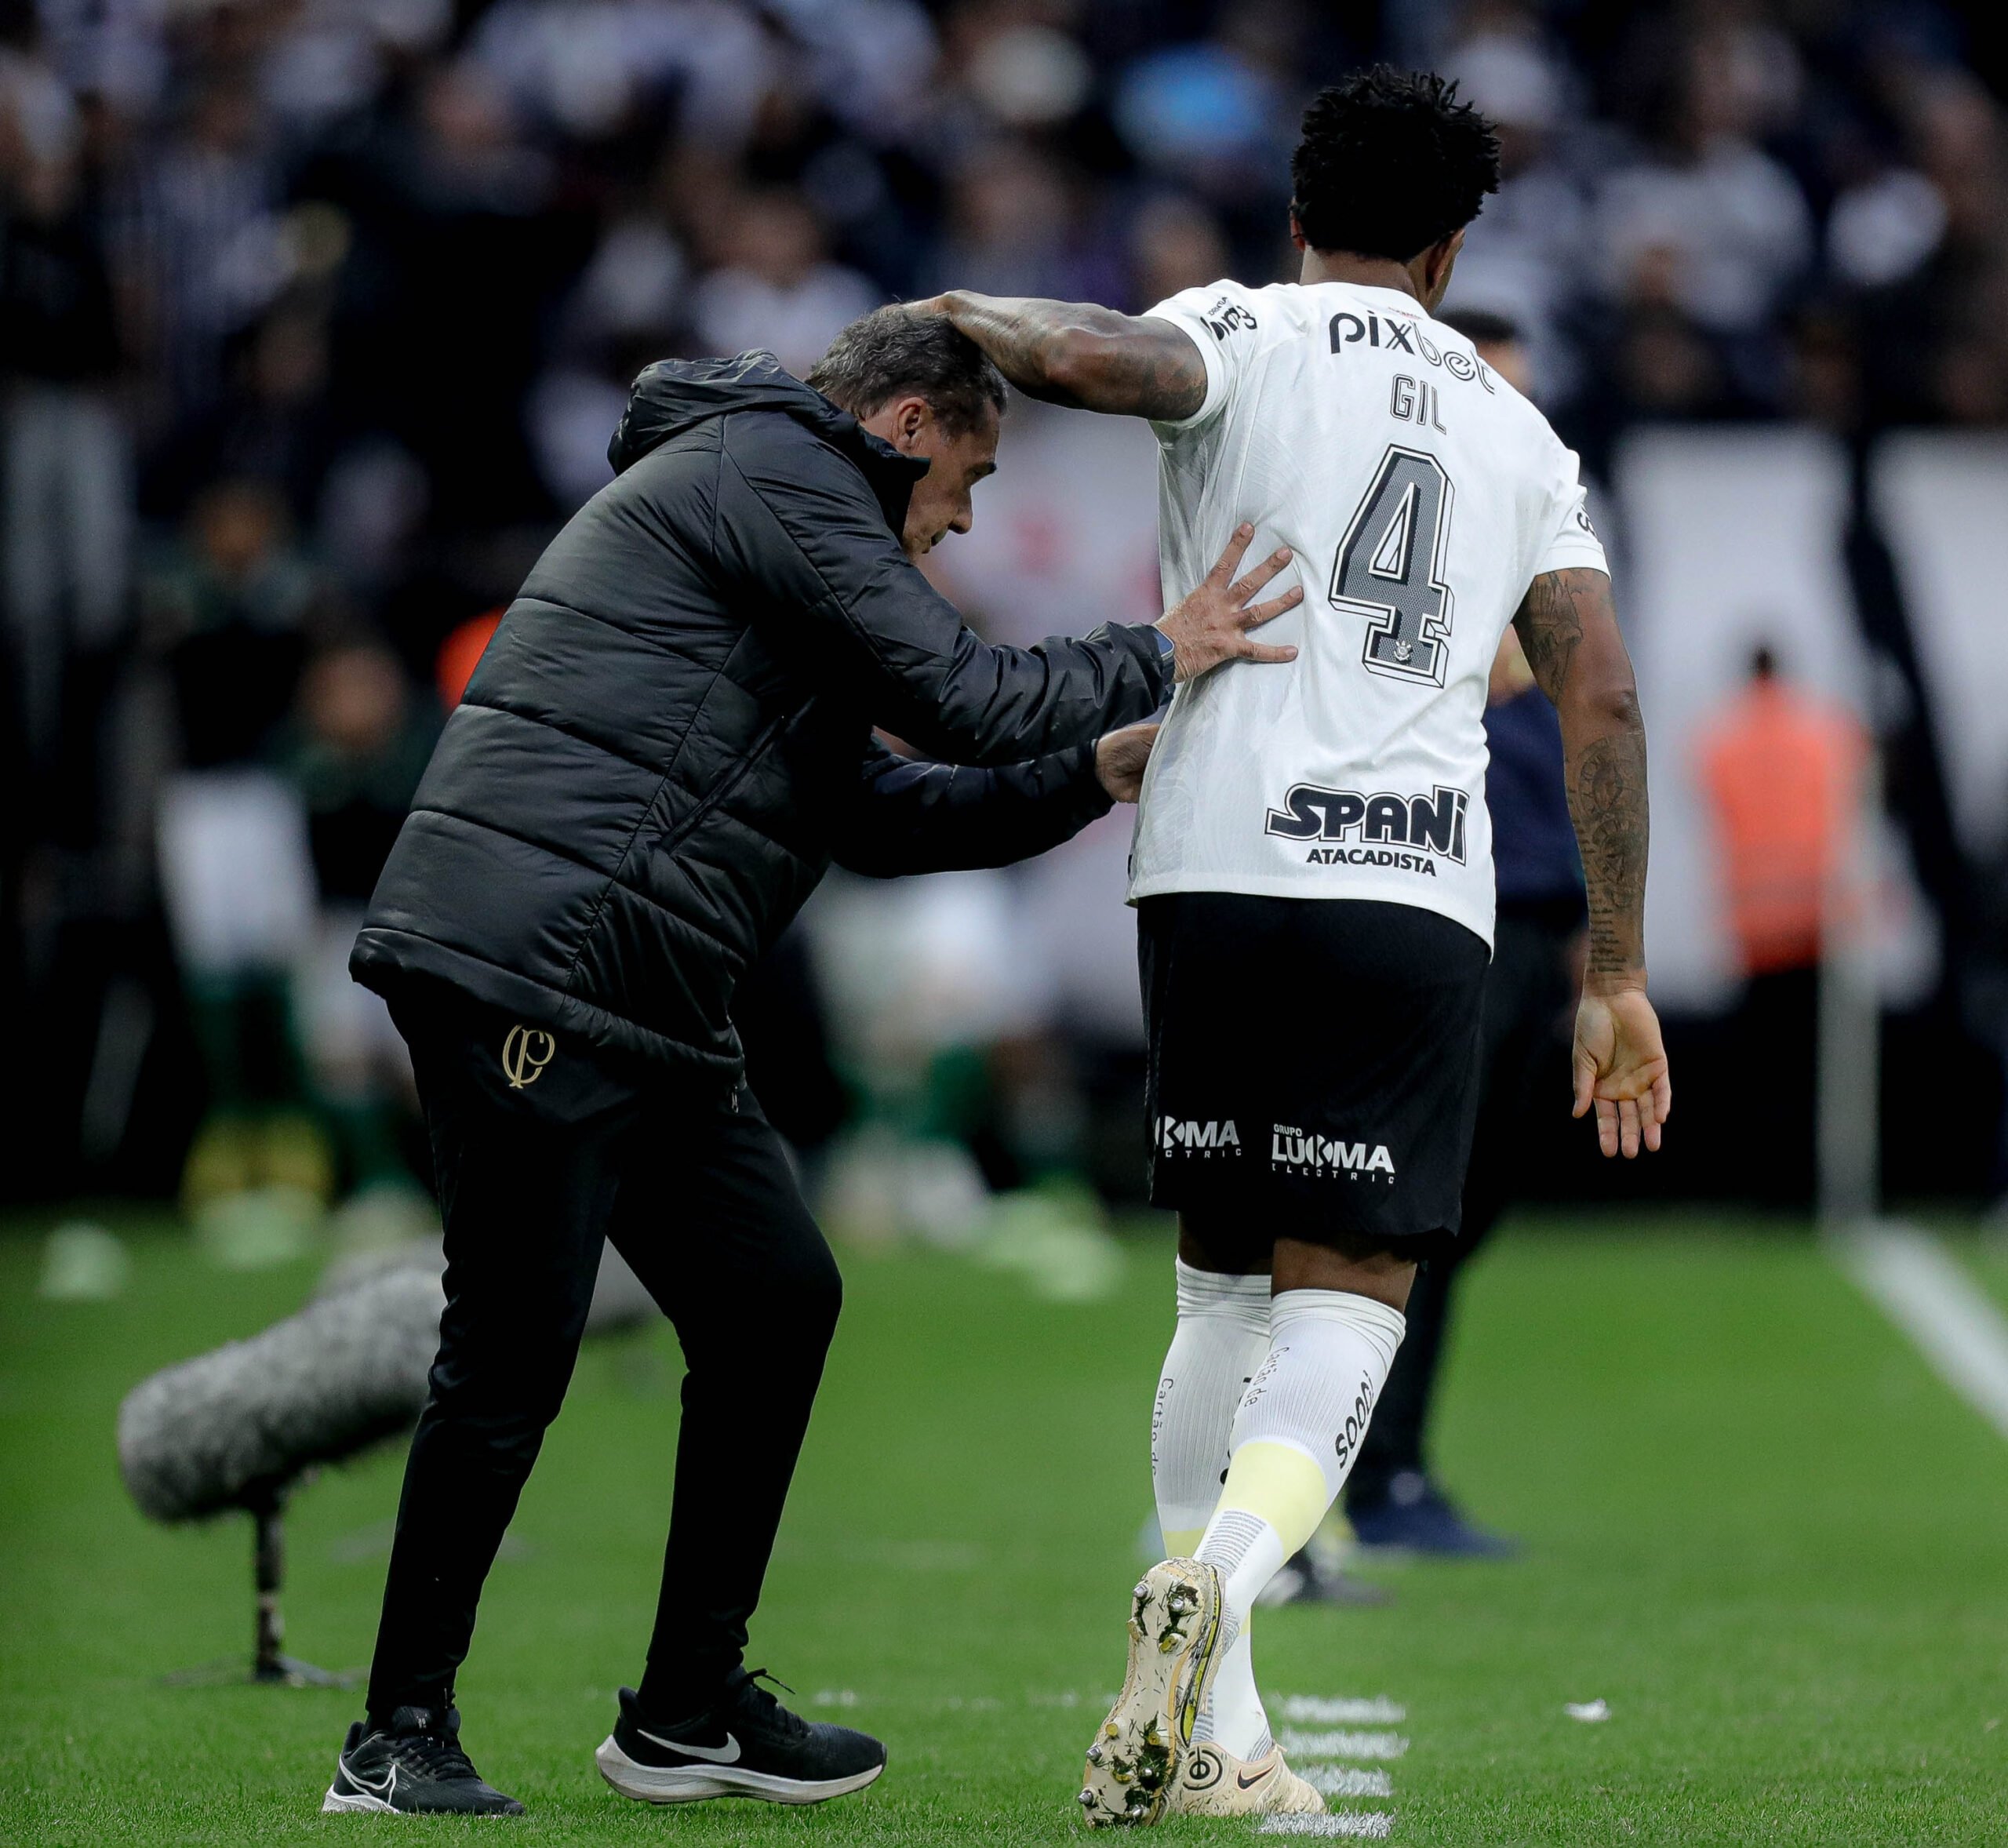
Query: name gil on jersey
point(1430, 826)
point(1292, 1152)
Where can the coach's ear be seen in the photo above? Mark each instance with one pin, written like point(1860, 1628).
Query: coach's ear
point(903, 422)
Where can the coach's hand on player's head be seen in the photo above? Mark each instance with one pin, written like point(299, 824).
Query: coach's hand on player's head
point(1211, 626)
point(1120, 758)
point(1621, 1068)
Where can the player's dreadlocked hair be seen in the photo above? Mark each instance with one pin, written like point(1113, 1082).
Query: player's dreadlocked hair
point(1391, 163)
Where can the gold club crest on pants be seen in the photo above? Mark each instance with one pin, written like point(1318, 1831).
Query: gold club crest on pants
point(526, 1052)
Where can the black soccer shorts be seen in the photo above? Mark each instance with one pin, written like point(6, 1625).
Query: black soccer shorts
point(1313, 1068)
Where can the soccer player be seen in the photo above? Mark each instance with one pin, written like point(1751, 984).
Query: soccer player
point(667, 743)
point(1312, 869)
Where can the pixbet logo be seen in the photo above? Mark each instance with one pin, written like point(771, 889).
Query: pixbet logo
point(1348, 330)
point(1296, 1153)
point(1176, 1136)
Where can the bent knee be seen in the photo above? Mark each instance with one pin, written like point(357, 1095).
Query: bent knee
point(804, 1294)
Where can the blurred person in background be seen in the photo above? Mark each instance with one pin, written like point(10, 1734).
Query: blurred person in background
point(1783, 771)
point(1701, 232)
point(1320, 820)
point(1538, 950)
point(1013, 215)
point(65, 514)
point(230, 613)
point(354, 751)
point(777, 291)
point(189, 225)
point(273, 420)
point(1930, 249)
point(1528, 256)
point(1210, 112)
point(666, 745)
point(1175, 244)
point(627, 307)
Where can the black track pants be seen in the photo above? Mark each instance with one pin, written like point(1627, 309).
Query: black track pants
point(542, 1150)
point(1526, 989)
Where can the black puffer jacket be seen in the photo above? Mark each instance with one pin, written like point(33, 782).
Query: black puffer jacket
point(669, 739)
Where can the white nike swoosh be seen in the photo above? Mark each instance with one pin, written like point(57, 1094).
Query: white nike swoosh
point(727, 1754)
point(386, 1790)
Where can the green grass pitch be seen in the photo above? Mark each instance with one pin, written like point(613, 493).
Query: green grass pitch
point(1756, 1526)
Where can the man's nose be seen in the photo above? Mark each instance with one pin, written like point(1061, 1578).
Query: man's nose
point(964, 518)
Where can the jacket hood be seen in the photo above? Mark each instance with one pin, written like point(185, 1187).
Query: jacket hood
point(674, 395)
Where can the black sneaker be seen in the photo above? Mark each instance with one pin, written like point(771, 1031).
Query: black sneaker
point(748, 1745)
point(1415, 1516)
point(1302, 1580)
point(413, 1766)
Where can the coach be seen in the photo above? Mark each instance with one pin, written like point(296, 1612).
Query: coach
point(668, 742)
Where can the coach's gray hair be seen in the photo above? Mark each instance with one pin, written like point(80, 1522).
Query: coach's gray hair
point(892, 351)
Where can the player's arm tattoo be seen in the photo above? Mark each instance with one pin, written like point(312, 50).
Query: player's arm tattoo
point(1075, 353)
point(1551, 627)
point(1568, 628)
point(1607, 802)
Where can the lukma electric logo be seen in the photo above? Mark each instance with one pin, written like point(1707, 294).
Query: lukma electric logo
point(1292, 1152)
point(1177, 1137)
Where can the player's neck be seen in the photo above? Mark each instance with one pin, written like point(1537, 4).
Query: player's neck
point(1367, 272)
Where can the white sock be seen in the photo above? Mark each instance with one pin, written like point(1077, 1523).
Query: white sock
point(1223, 1336)
point(1296, 1433)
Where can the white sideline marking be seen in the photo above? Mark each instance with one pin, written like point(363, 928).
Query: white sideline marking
point(1344, 1780)
point(1321, 1711)
point(1924, 1290)
point(1362, 1825)
point(1342, 1744)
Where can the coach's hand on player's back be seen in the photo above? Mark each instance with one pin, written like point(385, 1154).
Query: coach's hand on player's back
point(1121, 758)
point(1622, 1069)
point(1211, 626)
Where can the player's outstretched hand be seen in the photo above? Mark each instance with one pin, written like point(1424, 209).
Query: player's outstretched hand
point(1120, 758)
point(1620, 1069)
point(1211, 626)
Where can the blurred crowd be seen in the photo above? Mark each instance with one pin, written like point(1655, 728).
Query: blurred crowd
point(315, 317)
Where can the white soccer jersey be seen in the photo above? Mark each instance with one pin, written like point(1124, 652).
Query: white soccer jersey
point(1421, 495)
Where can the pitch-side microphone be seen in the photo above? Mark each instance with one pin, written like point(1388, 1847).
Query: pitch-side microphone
point(241, 1427)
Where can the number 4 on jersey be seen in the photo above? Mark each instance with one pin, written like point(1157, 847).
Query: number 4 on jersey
point(1390, 568)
